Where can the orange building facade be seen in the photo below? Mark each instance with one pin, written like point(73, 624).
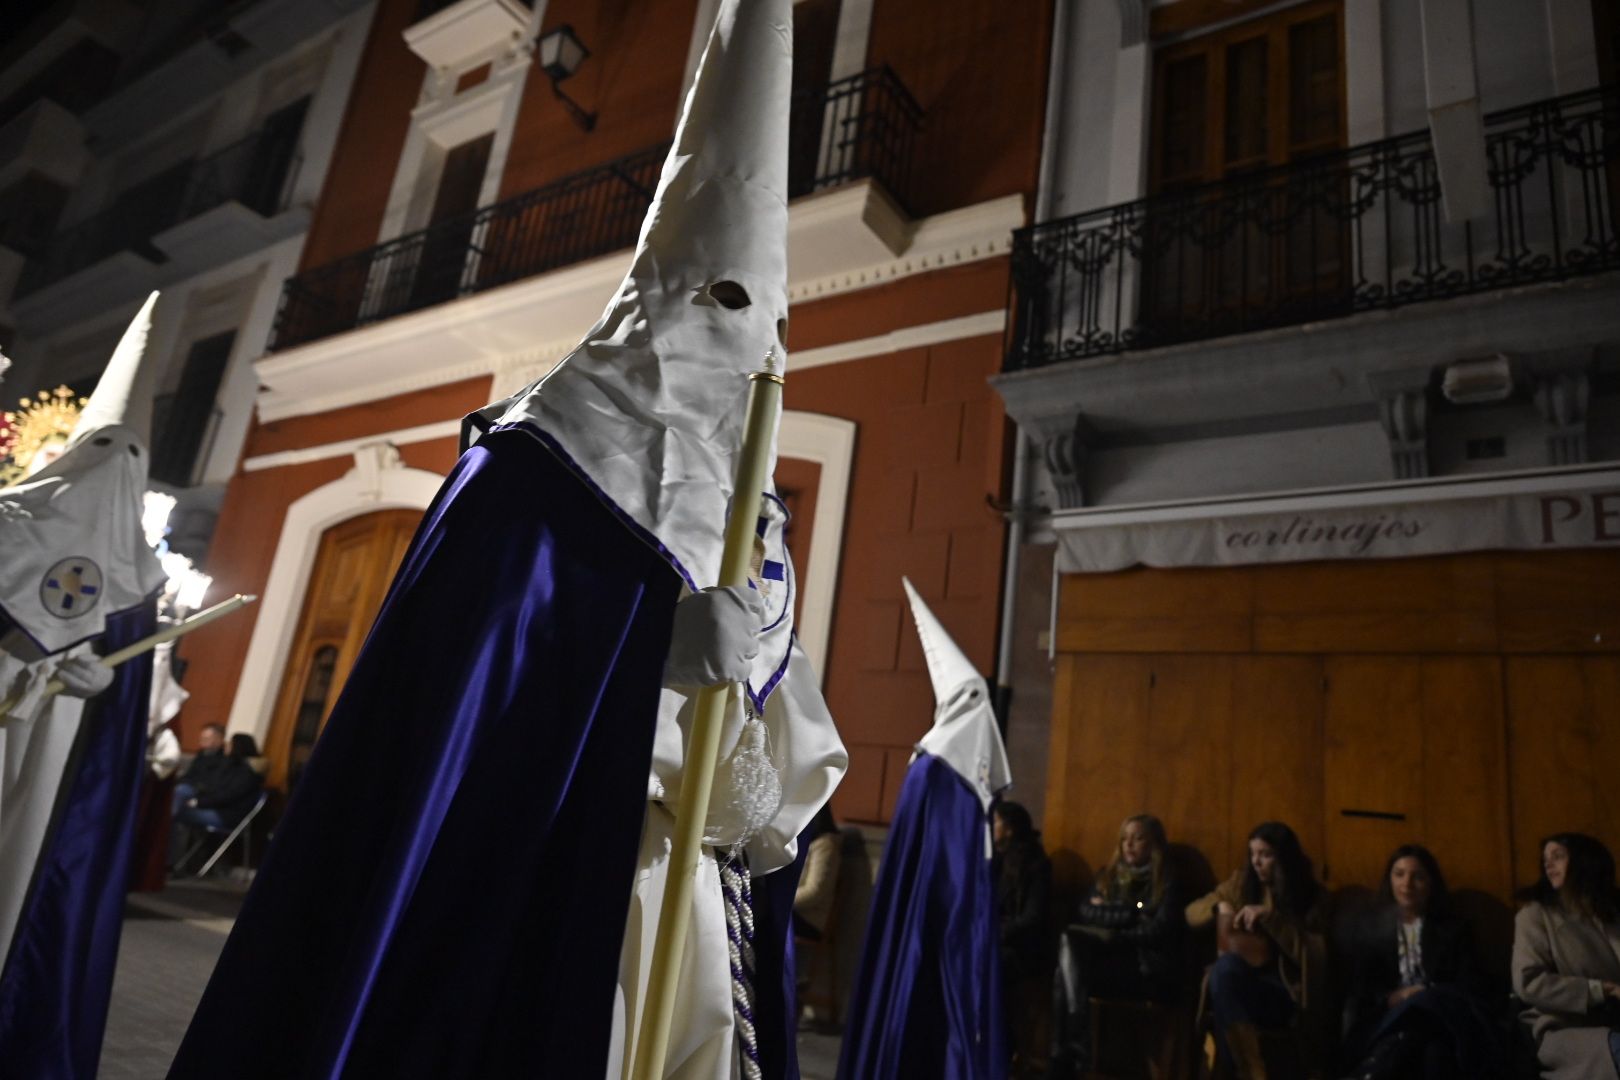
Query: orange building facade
point(476, 218)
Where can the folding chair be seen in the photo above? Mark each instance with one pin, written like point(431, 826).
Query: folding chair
point(241, 828)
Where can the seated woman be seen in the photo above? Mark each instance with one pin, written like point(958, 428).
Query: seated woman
point(1265, 914)
point(1566, 960)
point(818, 882)
point(1124, 942)
point(1412, 1006)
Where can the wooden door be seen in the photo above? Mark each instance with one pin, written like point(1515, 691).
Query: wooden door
point(1227, 105)
point(1564, 740)
point(1277, 721)
point(187, 417)
point(353, 569)
point(1100, 761)
point(1414, 752)
point(273, 158)
point(442, 255)
point(1372, 764)
point(815, 33)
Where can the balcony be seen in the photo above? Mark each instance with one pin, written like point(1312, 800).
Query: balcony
point(854, 129)
point(199, 212)
point(576, 218)
point(448, 32)
point(44, 139)
point(862, 126)
point(1323, 238)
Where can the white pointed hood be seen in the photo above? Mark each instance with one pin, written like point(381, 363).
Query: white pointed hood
point(75, 551)
point(648, 410)
point(964, 733)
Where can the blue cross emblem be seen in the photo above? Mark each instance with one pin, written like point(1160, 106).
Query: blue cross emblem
point(71, 588)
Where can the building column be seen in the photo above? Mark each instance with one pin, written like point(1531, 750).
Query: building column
point(1456, 124)
point(1364, 71)
point(1133, 94)
point(1573, 44)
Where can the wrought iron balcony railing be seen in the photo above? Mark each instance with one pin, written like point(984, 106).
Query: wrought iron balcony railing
point(1328, 236)
point(863, 126)
point(257, 172)
point(579, 217)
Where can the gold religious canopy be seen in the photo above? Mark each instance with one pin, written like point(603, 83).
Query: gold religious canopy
point(40, 424)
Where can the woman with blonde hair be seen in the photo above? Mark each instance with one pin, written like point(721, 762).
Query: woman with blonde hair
point(1125, 942)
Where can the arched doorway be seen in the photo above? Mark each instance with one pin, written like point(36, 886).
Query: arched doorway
point(354, 565)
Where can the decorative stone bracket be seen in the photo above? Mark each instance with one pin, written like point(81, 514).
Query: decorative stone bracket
point(1403, 410)
point(1063, 445)
point(1563, 389)
point(370, 462)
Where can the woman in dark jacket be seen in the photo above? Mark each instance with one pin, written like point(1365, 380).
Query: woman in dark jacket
point(1412, 1007)
point(1124, 942)
point(1023, 897)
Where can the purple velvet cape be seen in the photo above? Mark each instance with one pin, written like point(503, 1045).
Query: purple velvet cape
point(446, 895)
point(58, 974)
point(927, 996)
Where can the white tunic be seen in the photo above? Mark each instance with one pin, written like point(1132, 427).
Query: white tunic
point(35, 743)
point(811, 758)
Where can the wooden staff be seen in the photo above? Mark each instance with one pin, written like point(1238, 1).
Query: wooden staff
point(145, 645)
point(759, 430)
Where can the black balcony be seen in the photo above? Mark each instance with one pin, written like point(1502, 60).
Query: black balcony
point(576, 218)
point(859, 127)
point(257, 172)
point(1321, 238)
point(862, 126)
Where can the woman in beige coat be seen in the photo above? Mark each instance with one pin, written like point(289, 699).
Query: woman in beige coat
point(1566, 960)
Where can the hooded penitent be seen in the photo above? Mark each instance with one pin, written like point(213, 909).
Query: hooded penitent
point(964, 734)
point(927, 999)
point(76, 572)
point(649, 407)
point(75, 553)
point(534, 749)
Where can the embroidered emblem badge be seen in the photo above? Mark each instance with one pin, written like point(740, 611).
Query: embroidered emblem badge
point(71, 588)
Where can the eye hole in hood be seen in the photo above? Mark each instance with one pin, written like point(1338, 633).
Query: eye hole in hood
point(728, 294)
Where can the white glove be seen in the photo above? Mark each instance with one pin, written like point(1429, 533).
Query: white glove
point(715, 637)
point(83, 676)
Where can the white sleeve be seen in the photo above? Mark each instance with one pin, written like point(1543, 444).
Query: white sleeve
point(810, 756)
point(803, 745)
point(164, 754)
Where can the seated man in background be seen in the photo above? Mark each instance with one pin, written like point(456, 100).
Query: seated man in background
point(217, 789)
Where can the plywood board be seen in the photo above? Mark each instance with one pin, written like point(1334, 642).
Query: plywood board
point(1372, 763)
point(1277, 712)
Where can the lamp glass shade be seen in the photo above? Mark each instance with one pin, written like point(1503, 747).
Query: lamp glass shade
point(561, 53)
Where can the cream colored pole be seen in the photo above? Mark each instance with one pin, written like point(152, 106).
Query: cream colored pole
point(652, 1043)
point(147, 644)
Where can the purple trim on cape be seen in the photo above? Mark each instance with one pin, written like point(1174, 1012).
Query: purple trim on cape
point(642, 533)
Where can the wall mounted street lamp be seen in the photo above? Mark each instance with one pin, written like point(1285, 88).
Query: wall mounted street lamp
point(561, 53)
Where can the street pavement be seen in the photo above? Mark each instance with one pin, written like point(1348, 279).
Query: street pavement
point(170, 943)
